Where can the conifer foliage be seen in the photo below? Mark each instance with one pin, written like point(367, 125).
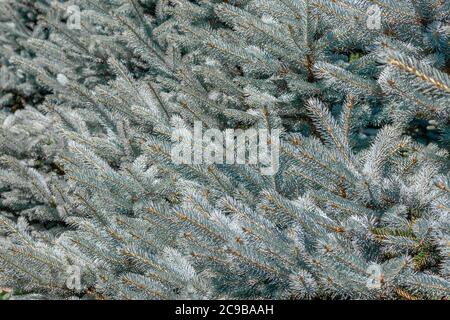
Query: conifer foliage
point(92, 204)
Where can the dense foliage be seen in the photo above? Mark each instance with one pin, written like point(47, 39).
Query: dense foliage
point(360, 205)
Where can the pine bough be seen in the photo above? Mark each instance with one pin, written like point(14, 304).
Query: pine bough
point(360, 206)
